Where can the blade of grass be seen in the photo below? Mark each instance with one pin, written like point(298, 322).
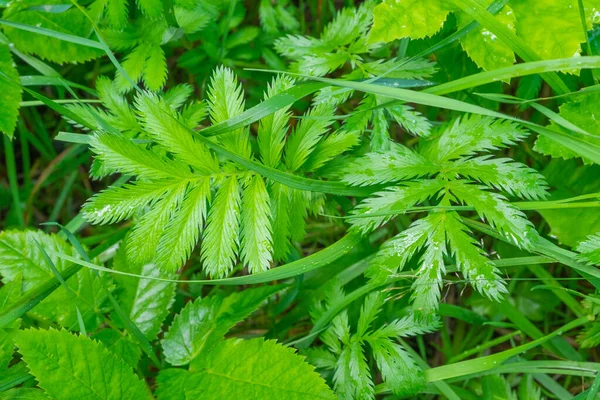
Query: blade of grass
point(480, 364)
point(290, 270)
point(11, 168)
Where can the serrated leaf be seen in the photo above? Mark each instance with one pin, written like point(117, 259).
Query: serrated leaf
point(416, 19)
point(202, 323)
point(68, 366)
point(21, 259)
point(485, 48)
point(554, 31)
point(256, 242)
point(23, 393)
point(590, 249)
point(307, 134)
point(11, 92)
point(272, 129)
point(120, 345)
point(250, 379)
point(226, 100)
point(398, 369)
point(513, 178)
point(470, 135)
point(182, 232)
point(397, 164)
point(393, 199)
point(155, 69)
point(426, 286)
point(584, 114)
point(221, 236)
point(499, 213)
point(471, 259)
point(570, 179)
point(72, 22)
point(9, 293)
point(145, 237)
point(146, 301)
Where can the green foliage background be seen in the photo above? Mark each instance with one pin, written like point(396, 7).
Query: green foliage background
point(300, 199)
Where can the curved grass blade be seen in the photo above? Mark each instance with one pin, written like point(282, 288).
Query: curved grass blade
point(290, 270)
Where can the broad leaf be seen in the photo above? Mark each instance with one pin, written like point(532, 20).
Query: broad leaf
point(202, 323)
point(262, 370)
point(11, 92)
point(74, 367)
point(20, 258)
point(72, 22)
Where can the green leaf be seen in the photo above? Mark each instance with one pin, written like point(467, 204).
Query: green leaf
point(554, 31)
point(120, 154)
point(590, 249)
point(71, 22)
point(407, 18)
point(584, 114)
point(202, 323)
point(397, 164)
point(120, 345)
point(146, 301)
point(394, 198)
point(220, 378)
point(182, 232)
point(513, 178)
point(9, 293)
point(61, 361)
point(225, 101)
point(499, 213)
point(165, 126)
point(256, 242)
point(221, 236)
point(21, 259)
point(307, 134)
point(471, 259)
point(352, 378)
point(272, 129)
point(398, 369)
point(148, 231)
point(470, 135)
point(397, 251)
point(155, 69)
point(23, 394)
point(570, 179)
point(485, 48)
point(427, 285)
point(11, 92)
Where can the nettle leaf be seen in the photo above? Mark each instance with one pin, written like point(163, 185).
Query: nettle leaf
point(554, 31)
point(584, 114)
point(120, 345)
point(485, 48)
point(69, 366)
point(570, 179)
point(11, 92)
point(407, 18)
point(9, 293)
point(24, 394)
point(147, 301)
point(22, 260)
point(202, 323)
point(446, 165)
point(257, 373)
point(183, 193)
point(590, 249)
point(71, 21)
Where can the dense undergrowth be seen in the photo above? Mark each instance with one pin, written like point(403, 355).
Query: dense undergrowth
point(309, 199)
